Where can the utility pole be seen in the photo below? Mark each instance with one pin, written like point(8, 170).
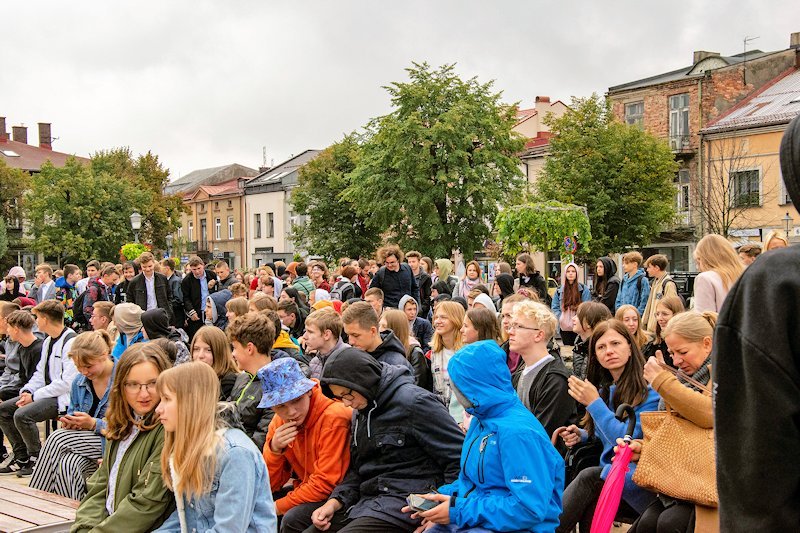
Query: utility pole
point(744, 69)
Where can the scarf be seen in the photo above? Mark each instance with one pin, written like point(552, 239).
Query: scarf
point(466, 285)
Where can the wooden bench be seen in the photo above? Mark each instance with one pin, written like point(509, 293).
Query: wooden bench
point(26, 509)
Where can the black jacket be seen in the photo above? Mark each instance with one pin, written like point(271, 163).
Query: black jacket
point(137, 292)
point(756, 365)
point(535, 281)
point(424, 283)
point(404, 442)
point(178, 314)
point(190, 286)
point(422, 368)
point(609, 295)
point(549, 397)
point(391, 351)
point(423, 332)
point(395, 285)
point(246, 394)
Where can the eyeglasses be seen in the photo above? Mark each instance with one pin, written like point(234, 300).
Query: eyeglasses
point(514, 325)
point(133, 387)
point(347, 396)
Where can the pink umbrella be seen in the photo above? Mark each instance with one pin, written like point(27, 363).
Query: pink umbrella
point(611, 495)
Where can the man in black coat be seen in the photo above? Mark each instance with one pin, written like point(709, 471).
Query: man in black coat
point(404, 442)
point(424, 282)
point(150, 289)
point(395, 278)
point(195, 288)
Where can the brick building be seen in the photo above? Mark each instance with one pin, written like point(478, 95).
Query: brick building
point(677, 105)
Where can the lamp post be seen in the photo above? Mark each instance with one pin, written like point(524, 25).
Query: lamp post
point(169, 245)
point(787, 224)
point(136, 225)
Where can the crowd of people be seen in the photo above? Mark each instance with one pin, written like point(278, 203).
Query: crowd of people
point(386, 395)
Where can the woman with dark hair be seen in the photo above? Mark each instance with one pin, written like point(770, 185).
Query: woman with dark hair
point(615, 375)
point(566, 301)
point(606, 283)
point(503, 288)
point(11, 290)
point(529, 276)
point(292, 294)
point(156, 326)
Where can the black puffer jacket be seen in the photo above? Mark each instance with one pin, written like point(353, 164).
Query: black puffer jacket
point(246, 395)
point(404, 440)
point(391, 351)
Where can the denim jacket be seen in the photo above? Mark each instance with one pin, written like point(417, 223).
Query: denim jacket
point(81, 399)
point(240, 497)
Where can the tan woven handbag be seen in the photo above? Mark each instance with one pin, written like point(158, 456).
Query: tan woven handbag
point(678, 456)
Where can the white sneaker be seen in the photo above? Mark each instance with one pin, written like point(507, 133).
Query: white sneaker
point(6, 459)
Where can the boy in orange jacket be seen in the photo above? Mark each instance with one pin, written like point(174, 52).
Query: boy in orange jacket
point(309, 435)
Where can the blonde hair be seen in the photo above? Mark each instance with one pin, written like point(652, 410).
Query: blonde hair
point(193, 445)
point(674, 304)
point(324, 320)
point(455, 313)
point(692, 326)
point(263, 303)
point(633, 257)
point(90, 346)
point(716, 253)
point(238, 306)
point(775, 234)
point(539, 314)
point(217, 340)
point(641, 337)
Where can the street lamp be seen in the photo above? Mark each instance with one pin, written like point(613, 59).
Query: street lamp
point(787, 224)
point(169, 245)
point(136, 225)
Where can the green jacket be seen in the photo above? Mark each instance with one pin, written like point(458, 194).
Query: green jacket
point(141, 502)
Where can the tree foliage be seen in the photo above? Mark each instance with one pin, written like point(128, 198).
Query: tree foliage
point(334, 227)
point(161, 214)
point(435, 170)
point(542, 226)
point(3, 238)
point(621, 174)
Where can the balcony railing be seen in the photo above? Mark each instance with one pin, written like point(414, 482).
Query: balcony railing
point(680, 143)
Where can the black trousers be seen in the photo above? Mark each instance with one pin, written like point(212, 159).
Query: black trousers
point(673, 517)
point(580, 499)
point(364, 524)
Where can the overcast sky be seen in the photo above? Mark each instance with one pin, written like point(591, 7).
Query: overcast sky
point(206, 83)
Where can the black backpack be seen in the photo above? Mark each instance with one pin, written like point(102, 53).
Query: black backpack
point(78, 318)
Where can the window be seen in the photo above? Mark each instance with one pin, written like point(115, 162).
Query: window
point(682, 185)
point(634, 114)
point(191, 230)
point(216, 206)
point(745, 188)
point(784, 197)
point(203, 231)
point(679, 121)
point(230, 228)
point(257, 225)
point(230, 204)
point(217, 229)
point(270, 225)
point(180, 233)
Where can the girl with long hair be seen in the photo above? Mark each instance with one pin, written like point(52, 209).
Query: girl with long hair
point(629, 315)
point(719, 268)
point(666, 308)
point(127, 493)
point(217, 474)
point(70, 454)
point(211, 346)
point(448, 318)
point(396, 321)
point(606, 285)
point(528, 276)
point(566, 301)
point(471, 279)
point(614, 376)
point(690, 337)
point(480, 324)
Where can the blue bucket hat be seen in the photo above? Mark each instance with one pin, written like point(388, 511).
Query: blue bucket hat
point(282, 381)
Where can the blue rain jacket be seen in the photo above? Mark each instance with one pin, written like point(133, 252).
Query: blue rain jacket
point(511, 476)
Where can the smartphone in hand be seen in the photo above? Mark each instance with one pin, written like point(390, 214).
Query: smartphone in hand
point(420, 504)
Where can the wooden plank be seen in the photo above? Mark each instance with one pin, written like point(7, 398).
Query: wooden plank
point(23, 512)
point(9, 523)
point(32, 502)
point(48, 496)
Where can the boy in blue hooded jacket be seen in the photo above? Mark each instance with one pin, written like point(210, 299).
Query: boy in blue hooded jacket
point(511, 476)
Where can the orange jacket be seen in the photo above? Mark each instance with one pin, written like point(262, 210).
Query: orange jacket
point(319, 455)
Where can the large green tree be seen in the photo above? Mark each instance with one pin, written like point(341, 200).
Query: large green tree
point(13, 183)
point(334, 227)
point(161, 213)
point(621, 174)
point(77, 214)
point(435, 170)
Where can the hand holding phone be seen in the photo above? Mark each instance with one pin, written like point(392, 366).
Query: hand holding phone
point(420, 504)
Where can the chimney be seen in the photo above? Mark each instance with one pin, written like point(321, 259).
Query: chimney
point(542, 105)
point(794, 40)
point(3, 132)
point(700, 55)
point(543, 99)
point(20, 134)
point(45, 140)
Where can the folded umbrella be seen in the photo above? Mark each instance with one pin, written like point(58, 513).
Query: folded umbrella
point(611, 495)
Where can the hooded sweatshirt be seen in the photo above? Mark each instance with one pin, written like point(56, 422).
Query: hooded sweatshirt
point(511, 476)
point(609, 295)
point(757, 373)
point(319, 455)
point(391, 351)
point(403, 440)
point(156, 324)
point(219, 316)
point(420, 328)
